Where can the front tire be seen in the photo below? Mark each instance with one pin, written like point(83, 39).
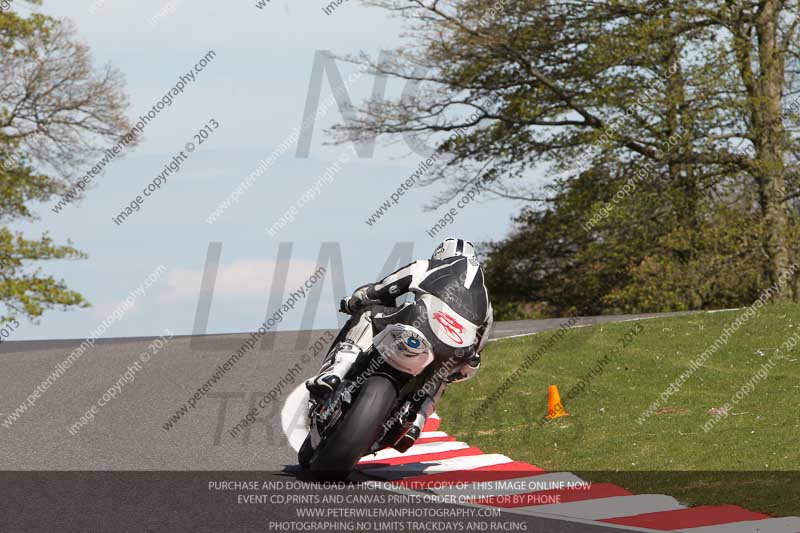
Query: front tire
point(339, 453)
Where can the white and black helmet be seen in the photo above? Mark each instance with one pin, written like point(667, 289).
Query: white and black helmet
point(455, 247)
point(459, 248)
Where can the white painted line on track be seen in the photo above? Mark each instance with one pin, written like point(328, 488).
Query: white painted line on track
point(600, 508)
point(419, 449)
point(468, 462)
point(510, 512)
point(602, 323)
point(768, 525)
point(536, 333)
point(518, 485)
point(432, 434)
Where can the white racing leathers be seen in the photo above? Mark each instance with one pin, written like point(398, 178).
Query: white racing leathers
point(451, 308)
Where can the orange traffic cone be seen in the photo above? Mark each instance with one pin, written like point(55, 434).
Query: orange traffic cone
point(555, 409)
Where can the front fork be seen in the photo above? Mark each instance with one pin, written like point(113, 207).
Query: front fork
point(403, 427)
point(325, 414)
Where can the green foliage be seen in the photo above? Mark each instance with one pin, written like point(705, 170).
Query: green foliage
point(680, 102)
point(716, 267)
point(637, 259)
point(28, 292)
point(56, 113)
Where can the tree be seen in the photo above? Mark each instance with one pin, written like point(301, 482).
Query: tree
point(56, 113)
point(685, 99)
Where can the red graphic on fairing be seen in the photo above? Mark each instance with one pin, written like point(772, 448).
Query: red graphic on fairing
point(450, 325)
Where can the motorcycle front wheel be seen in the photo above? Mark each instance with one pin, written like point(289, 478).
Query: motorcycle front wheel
point(352, 437)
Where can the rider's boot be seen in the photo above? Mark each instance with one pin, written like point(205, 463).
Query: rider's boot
point(355, 337)
point(411, 436)
point(333, 371)
point(426, 409)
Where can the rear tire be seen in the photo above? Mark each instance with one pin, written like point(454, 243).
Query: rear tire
point(352, 437)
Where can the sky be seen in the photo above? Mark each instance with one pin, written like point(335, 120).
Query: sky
point(255, 88)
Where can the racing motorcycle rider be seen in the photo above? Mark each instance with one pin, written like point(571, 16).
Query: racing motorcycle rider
point(453, 277)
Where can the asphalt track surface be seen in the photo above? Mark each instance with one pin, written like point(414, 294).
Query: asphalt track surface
point(125, 471)
point(128, 432)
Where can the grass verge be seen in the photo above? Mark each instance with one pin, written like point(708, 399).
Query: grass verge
point(749, 457)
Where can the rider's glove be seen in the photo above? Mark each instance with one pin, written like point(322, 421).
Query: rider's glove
point(352, 304)
point(344, 305)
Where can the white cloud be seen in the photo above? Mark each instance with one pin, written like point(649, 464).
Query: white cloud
point(104, 310)
point(239, 280)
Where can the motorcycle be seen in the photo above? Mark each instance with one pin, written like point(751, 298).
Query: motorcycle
point(378, 402)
